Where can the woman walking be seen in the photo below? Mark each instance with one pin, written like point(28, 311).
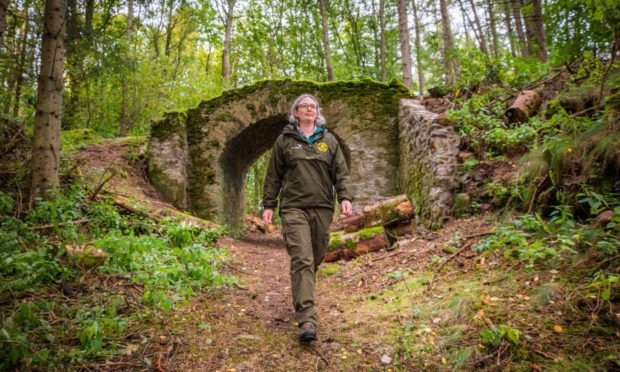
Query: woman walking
point(306, 169)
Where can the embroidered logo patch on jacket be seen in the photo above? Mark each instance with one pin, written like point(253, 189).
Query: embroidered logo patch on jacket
point(322, 147)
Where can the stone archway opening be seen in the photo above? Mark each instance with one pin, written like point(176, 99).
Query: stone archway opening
point(236, 159)
point(238, 156)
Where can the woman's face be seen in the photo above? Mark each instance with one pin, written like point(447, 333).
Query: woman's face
point(307, 110)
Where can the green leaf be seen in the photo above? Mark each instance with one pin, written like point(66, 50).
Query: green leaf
point(606, 294)
point(513, 335)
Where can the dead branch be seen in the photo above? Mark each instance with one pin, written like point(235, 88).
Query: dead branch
point(97, 189)
point(388, 256)
point(450, 258)
point(482, 233)
point(131, 209)
point(529, 208)
point(51, 226)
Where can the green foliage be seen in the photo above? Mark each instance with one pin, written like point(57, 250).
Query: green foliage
point(171, 261)
point(596, 202)
point(184, 261)
point(469, 164)
point(603, 284)
point(73, 140)
point(493, 337)
point(481, 120)
point(533, 240)
point(96, 325)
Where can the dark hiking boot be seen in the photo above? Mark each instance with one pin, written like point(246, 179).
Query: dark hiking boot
point(307, 332)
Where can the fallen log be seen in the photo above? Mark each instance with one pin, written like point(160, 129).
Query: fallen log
point(524, 106)
point(388, 211)
point(402, 229)
point(383, 213)
point(257, 224)
point(347, 246)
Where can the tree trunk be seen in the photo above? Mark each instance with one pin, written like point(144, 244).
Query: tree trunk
point(482, 40)
point(405, 48)
point(46, 138)
point(493, 29)
point(539, 27)
point(353, 17)
point(509, 31)
point(21, 65)
point(450, 66)
point(169, 30)
point(383, 76)
point(74, 51)
point(88, 19)
point(124, 124)
point(4, 5)
point(326, 47)
point(228, 22)
point(527, 12)
point(418, 47)
point(466, 20)
point(516, 12)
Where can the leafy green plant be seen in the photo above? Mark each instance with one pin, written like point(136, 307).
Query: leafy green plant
point(603, 284)
point(469, 164)
point(493, 337)
point(596, 202)
point(98, 324)
point(533, 240)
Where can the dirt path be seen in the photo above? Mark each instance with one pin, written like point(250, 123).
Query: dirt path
point(252, 328)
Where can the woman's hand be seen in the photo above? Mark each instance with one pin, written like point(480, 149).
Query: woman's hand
point(267, 215)
point(346, 208)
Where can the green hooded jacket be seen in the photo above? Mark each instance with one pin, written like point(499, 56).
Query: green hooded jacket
point(305, 175)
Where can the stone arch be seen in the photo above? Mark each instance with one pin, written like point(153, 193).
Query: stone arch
point(198, 158)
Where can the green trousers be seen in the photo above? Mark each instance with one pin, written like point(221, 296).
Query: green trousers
point(306, 235)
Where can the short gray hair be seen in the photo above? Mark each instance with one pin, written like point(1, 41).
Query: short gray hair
point(320, 120)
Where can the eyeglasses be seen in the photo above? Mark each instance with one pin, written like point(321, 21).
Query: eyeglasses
point(304, 106)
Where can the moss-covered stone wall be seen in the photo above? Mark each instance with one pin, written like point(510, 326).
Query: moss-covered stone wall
point(428, 162)
point(222, 137)
point(167, 158)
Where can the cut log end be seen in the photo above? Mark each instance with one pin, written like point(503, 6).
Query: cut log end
point(524, 106)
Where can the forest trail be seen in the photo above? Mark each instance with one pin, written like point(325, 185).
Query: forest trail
point(364, 305)
point(251, 327)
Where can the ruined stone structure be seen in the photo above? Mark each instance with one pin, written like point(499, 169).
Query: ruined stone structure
point(199, 158)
